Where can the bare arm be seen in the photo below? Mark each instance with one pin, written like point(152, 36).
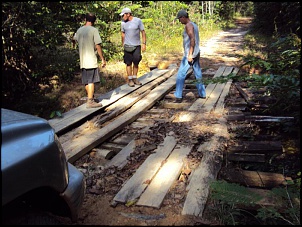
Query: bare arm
point(100, 52)
point(190, 32)
point(144, 38)
point(123, 38)
point(74, 41)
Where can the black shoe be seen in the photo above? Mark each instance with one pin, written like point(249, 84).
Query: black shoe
point(202, 97)
point(178, 100)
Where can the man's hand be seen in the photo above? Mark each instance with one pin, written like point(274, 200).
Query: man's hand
point(143, 47)
point(103, 63)
point(190, 59)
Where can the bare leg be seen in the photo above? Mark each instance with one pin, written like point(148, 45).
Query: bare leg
point(90, 101)
point(135, 70)
point(90, 90)
point(129, 70)
point(129, 75)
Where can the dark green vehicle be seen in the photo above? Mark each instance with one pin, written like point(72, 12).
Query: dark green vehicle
point(35, 173)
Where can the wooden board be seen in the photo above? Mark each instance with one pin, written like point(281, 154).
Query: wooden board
point(156, 191)
point(203, 105)
point(242, 93)
point(111, 146)
point(123, 139)
point(134, 187)
point(219, 108)
point(220, 103)
point(257, 118)
point(216, 93)
point(78, 146)
point(81, 112)
point(104, 153)
point(171, 105)
point(245, 157)
point(256, 146)
point(198, 104)
point(198, 188)
point(120, 159)
point(127, 101)
point(255, 178)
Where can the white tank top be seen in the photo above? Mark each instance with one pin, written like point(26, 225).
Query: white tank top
point(186, 41)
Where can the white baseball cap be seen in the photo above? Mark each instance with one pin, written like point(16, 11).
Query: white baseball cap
point(125, 10)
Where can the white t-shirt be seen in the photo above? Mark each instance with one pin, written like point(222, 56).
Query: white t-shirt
point(88, 37)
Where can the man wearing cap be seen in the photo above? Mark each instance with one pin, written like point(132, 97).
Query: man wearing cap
point(131, 27)
point(190, 58)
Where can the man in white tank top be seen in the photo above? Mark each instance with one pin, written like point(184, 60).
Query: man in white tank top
point(190, 58)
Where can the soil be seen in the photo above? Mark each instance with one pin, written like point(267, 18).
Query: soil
point(97, 210)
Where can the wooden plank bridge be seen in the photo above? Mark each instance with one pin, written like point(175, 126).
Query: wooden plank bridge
point(124, 105)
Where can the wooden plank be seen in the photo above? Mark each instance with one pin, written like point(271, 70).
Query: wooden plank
point(256, 146)
point(134, 187)
point(216, 93)
point(268, 200)
point(242, 93)
point(104, 153)
point(220, 103)
point(120, 159)
point(269, 118)
point(255, 178)
point(81, 112)
point(235, 117)
point(127, 101)
point(219, 108)
point(77, 147)
point(219, 71)
point(171, 105)
point(144, 120)
point(246, 157)
point(141, 125)
point(123, 139)
point(212, 99)
point(111, 146)
point(199, 103)
point(204, 106)
point(155, 193)
point(198, 188)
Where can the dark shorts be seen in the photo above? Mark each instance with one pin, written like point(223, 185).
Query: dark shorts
point(90, 76)
point(134, 57)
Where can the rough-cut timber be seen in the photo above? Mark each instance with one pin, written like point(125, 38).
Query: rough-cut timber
point(133, 188)
point(255, 178)
point(120, 159)
point(81, 112)
point(198, 188)
point(256, 146)
point(156, 191)
point(77, 147)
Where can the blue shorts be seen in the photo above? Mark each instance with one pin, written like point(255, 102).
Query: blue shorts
point(134, 57)
point(90, 76)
